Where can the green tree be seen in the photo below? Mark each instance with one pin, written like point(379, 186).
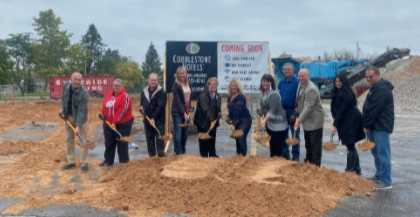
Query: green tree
point(77, 58)
point(113, 53)
point(51, 49)
point(19, 49)
point(92, 40)
point(152, 62)
point(107, 65)
point(5, 65)
point(130, 73)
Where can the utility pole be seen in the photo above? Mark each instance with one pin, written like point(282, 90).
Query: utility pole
point(357, 50)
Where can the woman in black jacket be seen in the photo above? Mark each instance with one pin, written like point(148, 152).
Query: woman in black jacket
point(348, 121)
point(180, 108)
point(208, 110)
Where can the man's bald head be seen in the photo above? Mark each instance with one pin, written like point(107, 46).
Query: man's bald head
point(76, 80)
point(303, 76)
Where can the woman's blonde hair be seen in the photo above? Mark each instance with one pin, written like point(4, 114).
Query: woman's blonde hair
point(240, 90)
point(176, 75)
point(211, 80)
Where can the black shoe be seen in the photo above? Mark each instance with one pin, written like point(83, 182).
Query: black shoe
point(295, 159)
point(287, 157)
point(85, 168)
point(68, 166)
point(104, 163)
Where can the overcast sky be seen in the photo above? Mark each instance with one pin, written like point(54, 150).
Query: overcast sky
point(301, 28)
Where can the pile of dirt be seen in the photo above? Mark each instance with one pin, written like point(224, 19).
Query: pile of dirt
point(198, 186)
point(154, 187)
point(404, 74)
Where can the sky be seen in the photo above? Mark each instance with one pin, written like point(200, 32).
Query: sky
point(301, 27)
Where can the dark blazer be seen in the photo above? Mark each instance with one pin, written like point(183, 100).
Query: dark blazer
point(154, 107)
point(347, 117)
point(178, 103)
point(207, 110)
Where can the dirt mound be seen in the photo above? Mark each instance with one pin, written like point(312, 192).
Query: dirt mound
point(236, 186)
point(404, 74)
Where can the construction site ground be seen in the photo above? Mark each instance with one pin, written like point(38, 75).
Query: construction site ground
point(31, 182)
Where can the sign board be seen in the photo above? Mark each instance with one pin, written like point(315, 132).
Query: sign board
point(245, 61)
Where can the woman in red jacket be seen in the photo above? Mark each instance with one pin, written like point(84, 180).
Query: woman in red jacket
point(116, 109)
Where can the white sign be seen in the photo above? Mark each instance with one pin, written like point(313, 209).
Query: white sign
point(245, 61)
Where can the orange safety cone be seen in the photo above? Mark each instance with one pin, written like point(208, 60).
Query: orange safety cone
point(11, 96)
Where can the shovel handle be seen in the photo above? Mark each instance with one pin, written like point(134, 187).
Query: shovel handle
point(66, 119)
point(150, 121)
point(107, 123)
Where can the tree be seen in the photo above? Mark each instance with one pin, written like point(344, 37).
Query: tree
point(130, 73)
point(92, 40)
point(152, 62)
point(51, 49)
point(343, 54)
point(113, 53)
point(19, 49)
point(77, 58)
point(5, 65)
point(107, 65)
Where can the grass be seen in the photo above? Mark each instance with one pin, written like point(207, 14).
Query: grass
point(39, 93)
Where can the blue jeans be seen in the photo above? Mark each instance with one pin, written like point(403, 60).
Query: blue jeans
point(181, 135)
point(241, 146)
point(382, 154)
point(295, 148)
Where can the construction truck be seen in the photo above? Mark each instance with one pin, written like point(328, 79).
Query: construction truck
point(322, 73)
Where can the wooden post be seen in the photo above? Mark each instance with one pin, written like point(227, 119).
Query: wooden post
point(167, 108)
point(255, 134)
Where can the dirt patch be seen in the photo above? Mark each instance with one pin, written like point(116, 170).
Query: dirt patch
point(236, 186)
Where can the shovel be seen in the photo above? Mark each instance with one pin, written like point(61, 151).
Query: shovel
point(366, 145)
point(89, 145)
point(206, 136)
point(125, 139)
point(264, 137)
point(293, 141)
point(185, 124)
point(328, 146)
point(236, 134)
point(165, 137)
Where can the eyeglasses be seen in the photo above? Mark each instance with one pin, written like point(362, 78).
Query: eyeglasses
point(116, 85)
point(369, 77)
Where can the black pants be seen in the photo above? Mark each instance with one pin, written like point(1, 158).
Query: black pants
point(313, 145)
point(111, 142)
point(277, 141)
point(208, 146)
point(153, 143)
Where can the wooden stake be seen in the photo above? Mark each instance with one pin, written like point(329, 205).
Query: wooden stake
point(167, 108)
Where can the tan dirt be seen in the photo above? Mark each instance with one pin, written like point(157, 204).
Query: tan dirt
point(366, 145)
point(236, 186)
point(328, 146)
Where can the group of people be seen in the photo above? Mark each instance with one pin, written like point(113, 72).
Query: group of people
point(296, 104)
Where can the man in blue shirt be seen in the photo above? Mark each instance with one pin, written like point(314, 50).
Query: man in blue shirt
point(288, 87)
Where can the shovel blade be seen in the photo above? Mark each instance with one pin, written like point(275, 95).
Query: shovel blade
point(89, 145)
point(126, 139)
